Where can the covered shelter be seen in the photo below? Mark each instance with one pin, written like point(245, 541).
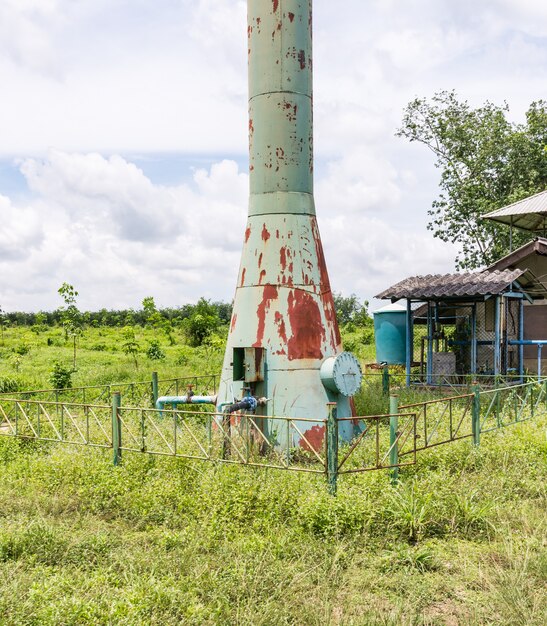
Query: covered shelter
point(533, 257)
point(465, 324)
point(529, 215)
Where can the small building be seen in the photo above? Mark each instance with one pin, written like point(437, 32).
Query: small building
point(491, 322)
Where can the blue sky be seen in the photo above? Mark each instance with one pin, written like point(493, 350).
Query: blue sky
point(123, 138)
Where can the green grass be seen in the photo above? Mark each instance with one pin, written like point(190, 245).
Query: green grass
point(462, 540)
point(161, 541)
point(100, 357)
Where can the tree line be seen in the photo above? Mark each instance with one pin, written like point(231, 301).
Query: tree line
point(349, 310)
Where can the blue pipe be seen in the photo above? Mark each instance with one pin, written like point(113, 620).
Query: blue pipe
point(176, 400)
point(531, 342)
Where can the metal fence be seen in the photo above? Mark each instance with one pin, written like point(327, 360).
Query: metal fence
point(379, 442)
point(135, 393)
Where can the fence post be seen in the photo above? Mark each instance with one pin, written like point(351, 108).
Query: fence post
point(116, 427)
point(476, 415)
point(155, 394)
point(385, 380)
point(393, 434)
point(332, 448)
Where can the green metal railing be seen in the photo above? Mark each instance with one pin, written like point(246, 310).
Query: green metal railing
point(137, 393)
point(379, 442)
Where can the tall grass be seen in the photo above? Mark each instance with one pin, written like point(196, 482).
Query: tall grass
point(461, 540)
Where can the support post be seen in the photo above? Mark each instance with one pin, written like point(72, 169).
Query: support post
point(430, 325)
point(385, 380)
point(476, 416)
point(116, 427)
point(155, 392)
point(332, 448)
point(474, 339)
point(521, 339)
point(409, 341)
point(540, 346)
point(497, 339)
point(393, 435)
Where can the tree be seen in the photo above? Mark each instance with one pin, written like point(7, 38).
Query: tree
point(486, 162)
point(70, 316)
point(202, 322)
point(3, 322)
point(130, 346)
point(350, 310)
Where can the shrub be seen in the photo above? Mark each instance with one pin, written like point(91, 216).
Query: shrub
point(154, 352)
point(61, 376)
point(7, 385)
point(22, 349)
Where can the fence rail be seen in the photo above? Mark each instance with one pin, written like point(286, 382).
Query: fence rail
point(137, 393)
point(310, 445)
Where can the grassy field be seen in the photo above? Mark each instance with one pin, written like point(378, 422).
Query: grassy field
point(462, 540)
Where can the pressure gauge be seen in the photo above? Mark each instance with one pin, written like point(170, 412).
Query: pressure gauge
point(342, 374)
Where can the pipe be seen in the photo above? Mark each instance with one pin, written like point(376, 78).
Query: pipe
point(189, 399)
point(248, 403)
point(531, 342)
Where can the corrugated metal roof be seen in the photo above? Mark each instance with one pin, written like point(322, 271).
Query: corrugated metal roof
point(528, 214)
point(521, 255)
point(436, 286)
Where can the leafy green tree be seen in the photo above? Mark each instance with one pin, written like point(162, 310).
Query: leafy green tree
point(350, 310)
point(151, 314)
point(60, 376)
point(154, 352)
point(202, 322)
point(3, 322)
point(71, 317)
point(486, 162)
point(130, 345)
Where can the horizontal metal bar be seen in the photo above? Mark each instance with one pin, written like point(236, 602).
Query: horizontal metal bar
point(429, 402)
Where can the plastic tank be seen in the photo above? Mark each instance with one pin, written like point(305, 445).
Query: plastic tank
point(390, 334)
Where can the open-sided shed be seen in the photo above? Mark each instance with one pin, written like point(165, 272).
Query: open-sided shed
point(465, 324)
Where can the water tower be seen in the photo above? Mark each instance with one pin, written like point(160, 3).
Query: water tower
point(284, 343)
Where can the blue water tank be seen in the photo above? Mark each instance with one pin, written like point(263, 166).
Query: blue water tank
point(390, 334)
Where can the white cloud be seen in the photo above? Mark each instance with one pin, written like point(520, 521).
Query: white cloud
point(20, 233)
point(98, 77)
point(118, 237)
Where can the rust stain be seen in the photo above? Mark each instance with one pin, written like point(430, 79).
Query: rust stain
point(283, 258)
point(260, 259)
point(307, 327)
point(325, 283)
point(251, 127)
point(330, 314)
point(302, 59)
point(247, 233)
point(291, 17)
point(234, 321)
point(243, 277)
point(262, 277)
point(282, 331)
point(269, 294)
point(265, 233)
point(275, 5)
point(316, 438)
